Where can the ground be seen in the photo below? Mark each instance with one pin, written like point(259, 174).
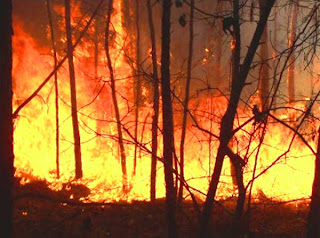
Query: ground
point(39, 212)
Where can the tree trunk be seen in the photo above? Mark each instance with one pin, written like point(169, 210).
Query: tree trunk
point(227, 120)
point(275, 52)
point(126, 13)
point(155, 117)
point(218, 56)
point(313, 229)
point(74, 111)
point(137, 88)
point(6, 127)
point(264, 67)
point(115, 102)
point(291, 39)
point(168, 149)
point(55, 87)
point(237, 219)
point(96, 47)
point(186, 101)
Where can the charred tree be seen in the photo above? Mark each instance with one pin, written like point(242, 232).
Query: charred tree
point(291, 40)
point(264, 67)
point(55, 61)
point(6, 124)
point(168, 149)
point(129, 24)
point(126, 13)
point(313, 229)
point(74, 111)
point(186, 101)
point(237, 165)
point(137, 87)
point(114, 100)
point(274, 53)
point(96, 47)
point(155, 117)
point(226, 131)
point(218, 42)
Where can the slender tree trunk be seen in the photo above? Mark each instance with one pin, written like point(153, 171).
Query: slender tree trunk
point(291, 39)
point(168, 150)
point(137, 88)
point(155, 117)
point(264, 68)
point(126, 13)
point(313, 228)
point(74, 111)
point(115, 102)
point(96, 47)
point(218, 42)
point(55, 87)
point(6, 127)
point(227, 120)
point(186, 101)
point(237, 219)
point(275, 48)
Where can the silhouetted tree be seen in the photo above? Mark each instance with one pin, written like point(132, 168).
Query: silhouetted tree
point(186, 100)
point(291, 39)
point(137, 87)
point(114, 100)
point(239, 76)
point(264, 67)
point(168, 149)
point(155, 117)
point(74, 111)
point(313, 228)
point(6, 127)
point(55, 61)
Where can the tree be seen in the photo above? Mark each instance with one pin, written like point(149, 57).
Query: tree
point(137, 87)
point(313, 229)
point(55, 61)
point(168, 149)
point(239, 76)
point(74, 111)
point(186, 100)
point(264, 68)
point(6, 126)
point(155, 117)
point(291, 40)
point(114, 100)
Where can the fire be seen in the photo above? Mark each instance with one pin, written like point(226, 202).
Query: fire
point(290, 177)
point(233, 44)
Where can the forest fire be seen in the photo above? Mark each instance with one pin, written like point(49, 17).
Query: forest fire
point(290, 177)
point(127, 115)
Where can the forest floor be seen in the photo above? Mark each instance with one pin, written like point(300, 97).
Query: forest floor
point(40, 212)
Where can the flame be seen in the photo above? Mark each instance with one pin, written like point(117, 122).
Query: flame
point(291, 177)
point(233, 44)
